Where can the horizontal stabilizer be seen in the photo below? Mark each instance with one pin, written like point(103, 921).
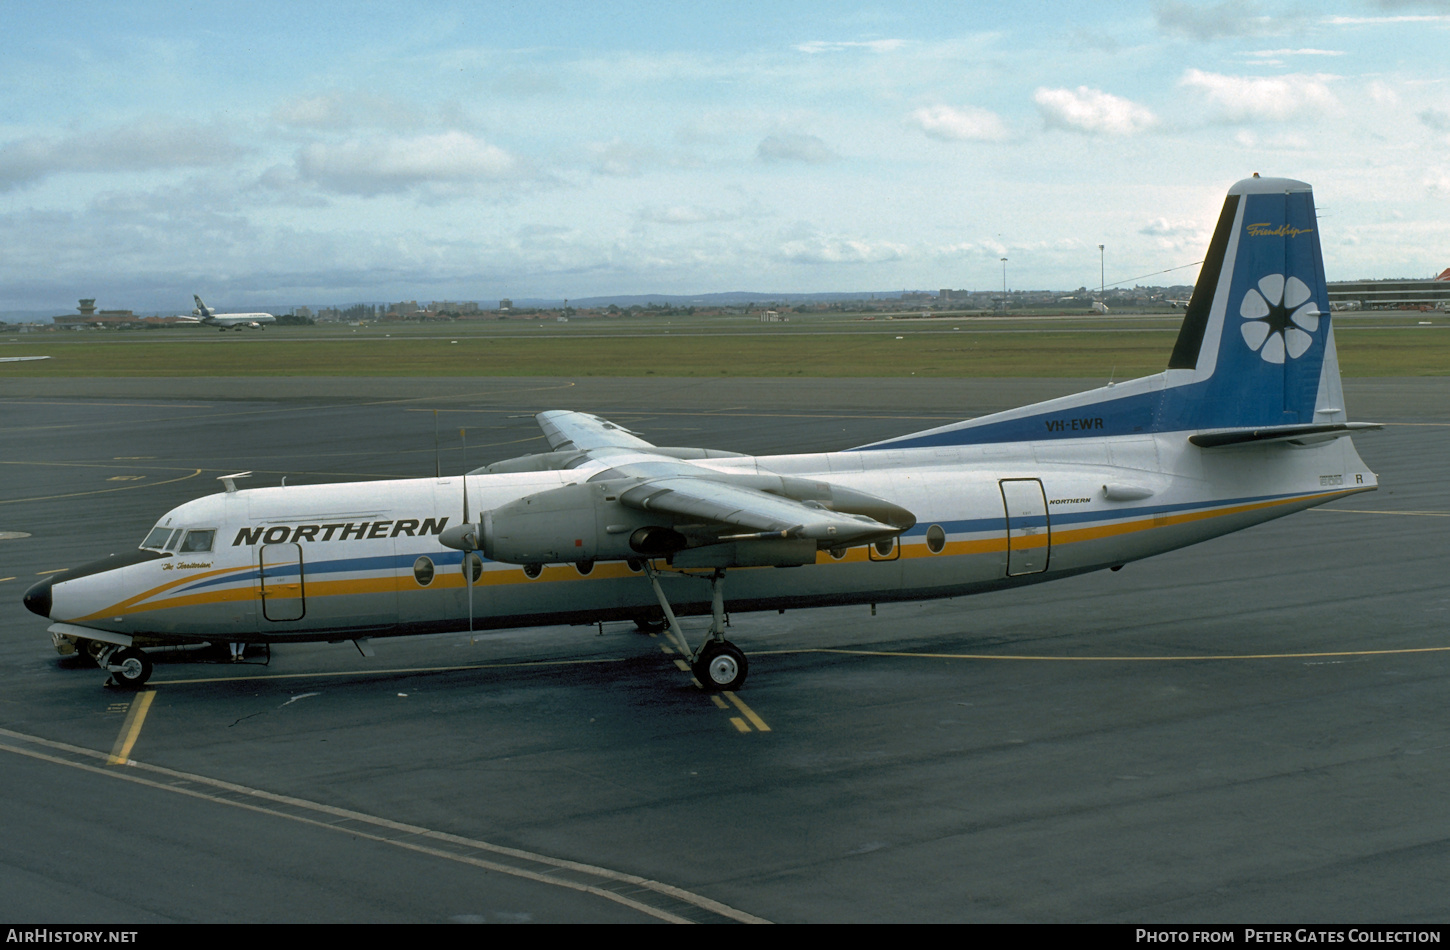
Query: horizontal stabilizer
point(1298, 435)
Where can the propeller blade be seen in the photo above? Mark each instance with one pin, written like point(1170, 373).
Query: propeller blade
point(470, 539)
point(463, 436)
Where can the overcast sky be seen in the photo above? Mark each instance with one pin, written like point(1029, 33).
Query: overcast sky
point(315, 153)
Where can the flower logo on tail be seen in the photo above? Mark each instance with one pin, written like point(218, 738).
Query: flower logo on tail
point(1279, 318)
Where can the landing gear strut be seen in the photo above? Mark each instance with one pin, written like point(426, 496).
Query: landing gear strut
point(718, 664)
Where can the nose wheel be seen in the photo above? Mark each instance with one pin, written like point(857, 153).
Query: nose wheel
point(129, 667)
point(720, 666)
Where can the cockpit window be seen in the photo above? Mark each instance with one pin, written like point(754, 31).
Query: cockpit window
point(175, 537)
point(198, 540)
point(156, 538)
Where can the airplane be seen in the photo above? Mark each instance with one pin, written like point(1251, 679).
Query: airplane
point(1247, 424)
point(228, 321)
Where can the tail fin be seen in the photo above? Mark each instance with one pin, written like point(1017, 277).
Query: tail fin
point(1256, 338)
point(1255, 349)
point(201, 309)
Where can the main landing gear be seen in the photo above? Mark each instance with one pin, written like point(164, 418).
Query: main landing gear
point(718, 664)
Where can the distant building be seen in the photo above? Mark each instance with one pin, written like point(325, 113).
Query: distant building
point(505, 305)
point(89, 316)
point(461, 307)
point(1397, 294)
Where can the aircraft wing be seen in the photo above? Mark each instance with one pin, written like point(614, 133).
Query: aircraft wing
point(727, 505)
point(579, 430)
point(759, 513)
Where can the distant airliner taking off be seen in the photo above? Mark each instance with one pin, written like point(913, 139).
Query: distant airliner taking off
point(230, 321)
point(1247, 424)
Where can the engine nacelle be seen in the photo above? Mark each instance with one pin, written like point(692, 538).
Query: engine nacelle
point(574, 523)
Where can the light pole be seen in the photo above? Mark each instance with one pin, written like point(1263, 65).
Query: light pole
point(1004, 285)
point(1102, 271)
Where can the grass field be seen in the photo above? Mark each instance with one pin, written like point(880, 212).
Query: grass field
point(1117, 348)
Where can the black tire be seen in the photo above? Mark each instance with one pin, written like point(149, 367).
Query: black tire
point(130, 668)
point(651, 623)
point(721, 667)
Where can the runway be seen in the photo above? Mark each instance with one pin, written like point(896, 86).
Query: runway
point(1249, 731)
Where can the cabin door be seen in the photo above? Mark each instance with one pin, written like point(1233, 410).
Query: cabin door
point(280, 580)
point(1029, 536)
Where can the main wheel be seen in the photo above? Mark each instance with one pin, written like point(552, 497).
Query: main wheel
point(721, 666)
point(130, 668)
point(650, 624)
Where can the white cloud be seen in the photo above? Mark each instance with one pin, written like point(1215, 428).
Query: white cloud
point(1179, 236)
point(1240, 98)
point(341, 110)
point(1282, 140)
point(1437, 119)
point(144, 145)
point(387, 165)
point(835, 250)
point(1217, 21)
point(621, 159)
point(326, 111)
point(957, 125)
point(1276, 53)
point(826, 46)
point(1383, 93)
point(1092, 111)
point(794, 147)
point(684, 214)
point(1384, 20)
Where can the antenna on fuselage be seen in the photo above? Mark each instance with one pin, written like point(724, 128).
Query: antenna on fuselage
point(229, 480)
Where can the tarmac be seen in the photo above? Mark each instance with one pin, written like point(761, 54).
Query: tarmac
point(1251, 730)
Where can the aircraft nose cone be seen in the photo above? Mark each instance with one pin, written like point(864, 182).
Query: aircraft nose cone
point(37, 599)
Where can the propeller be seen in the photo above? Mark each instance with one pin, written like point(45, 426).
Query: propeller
point(471, 538)
point(464, 536)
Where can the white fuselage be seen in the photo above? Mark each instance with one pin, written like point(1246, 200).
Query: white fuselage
point(342, 561)
point(229, 320)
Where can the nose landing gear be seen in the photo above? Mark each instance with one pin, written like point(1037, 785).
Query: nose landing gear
point(128, 666)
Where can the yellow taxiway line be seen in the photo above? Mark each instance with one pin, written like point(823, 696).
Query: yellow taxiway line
point(131, 728)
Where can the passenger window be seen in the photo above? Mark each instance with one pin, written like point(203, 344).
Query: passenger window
point(198, 541)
